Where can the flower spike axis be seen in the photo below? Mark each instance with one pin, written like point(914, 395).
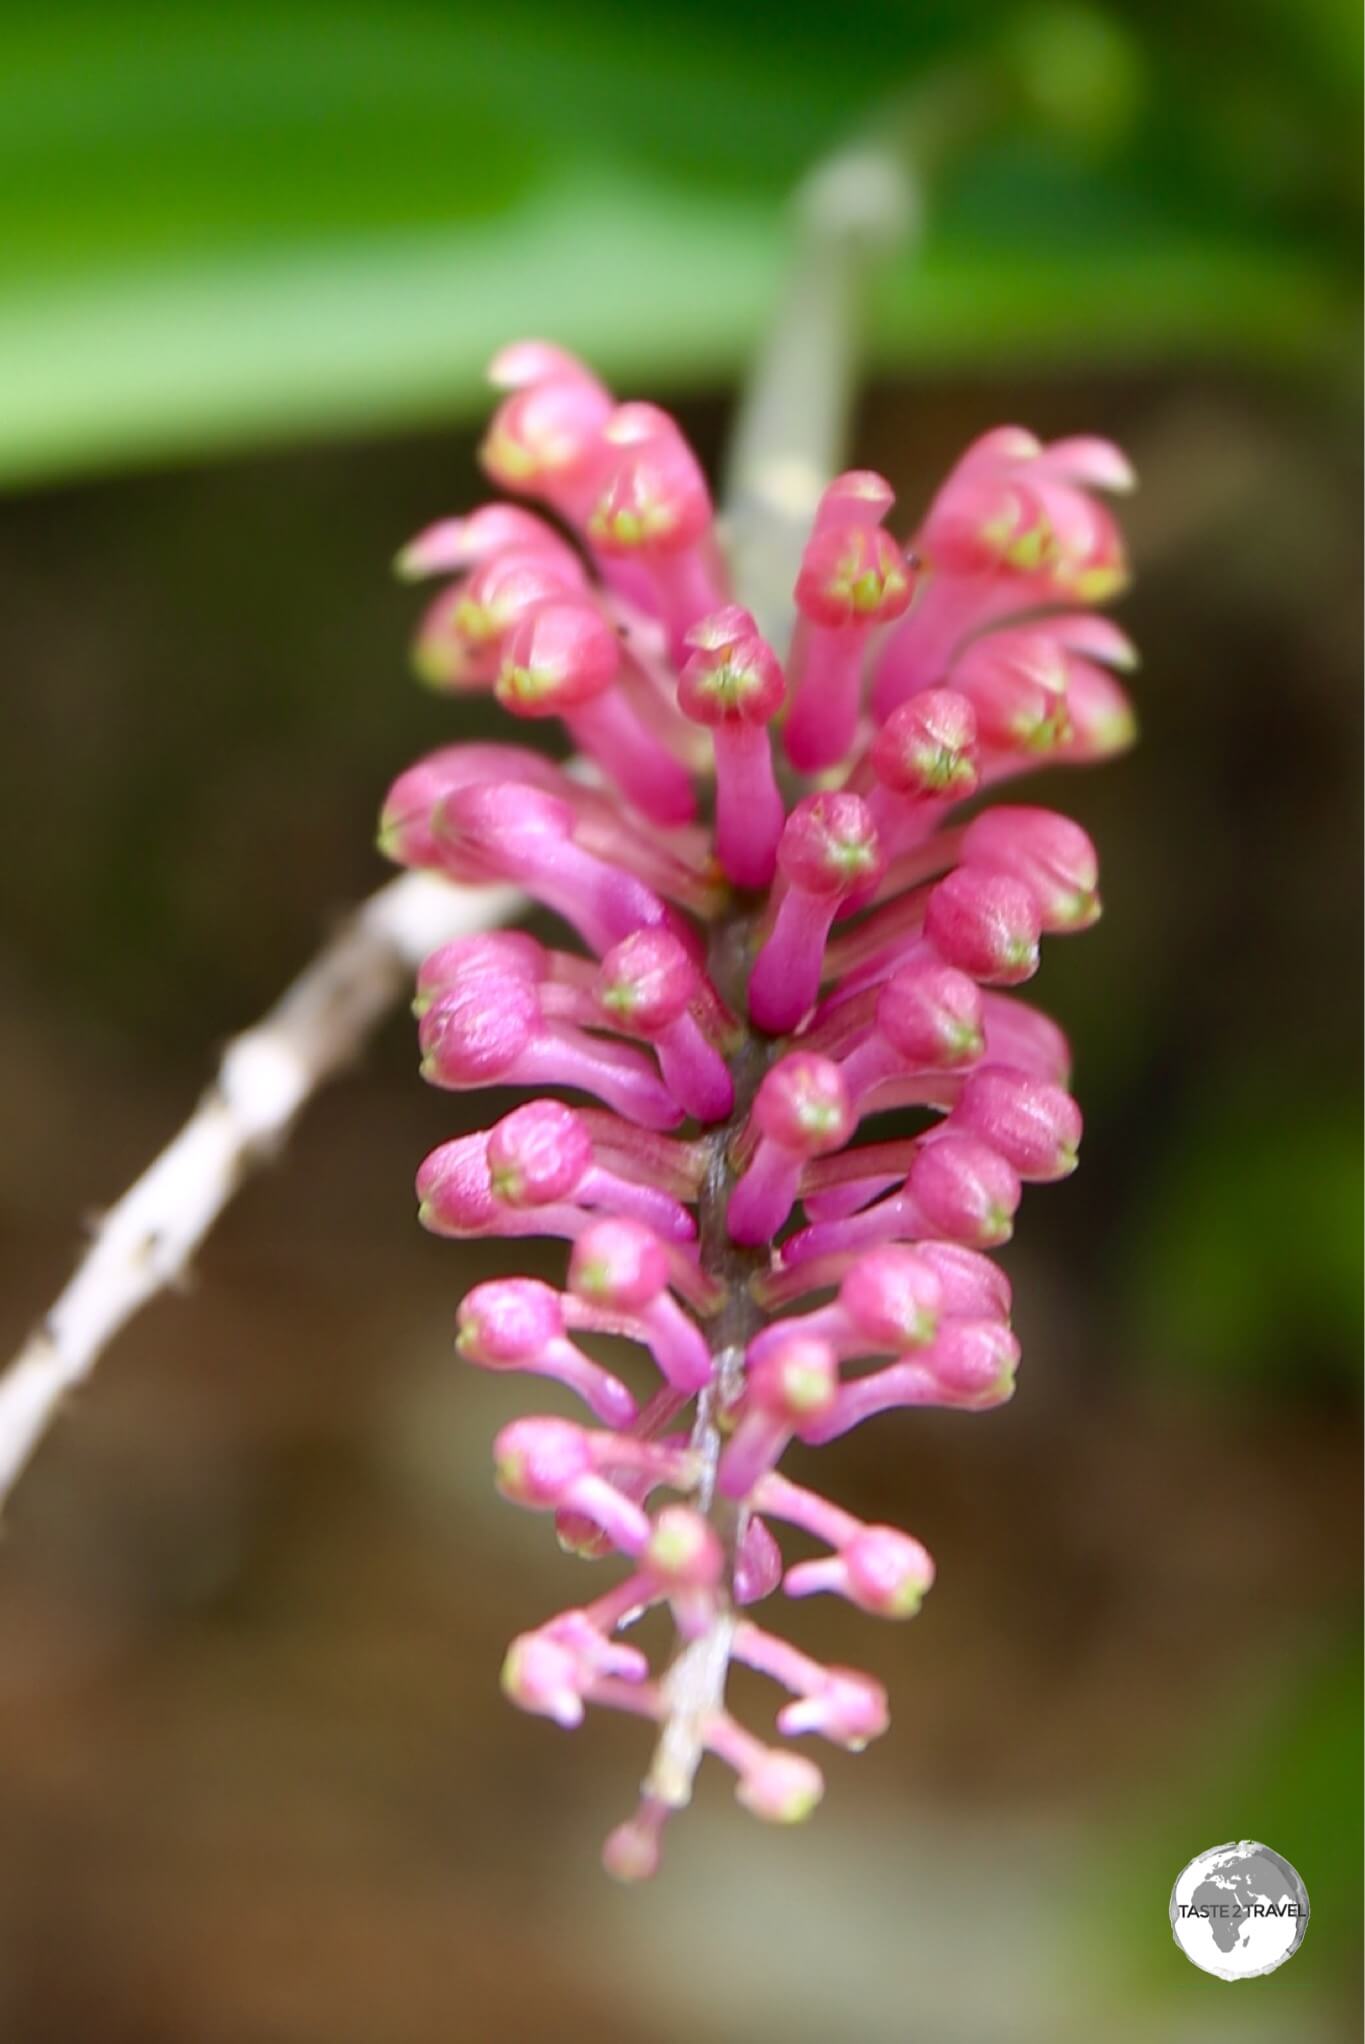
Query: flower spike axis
point(777, 923)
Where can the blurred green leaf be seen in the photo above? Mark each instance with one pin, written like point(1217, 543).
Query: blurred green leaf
point(1248, 1262)
point(222, 225)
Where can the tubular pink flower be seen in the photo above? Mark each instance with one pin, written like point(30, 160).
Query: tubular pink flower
point(970, 1366)
point(882, 1571)
point(928, 1017)
point(890, 1302)
point(490, 1030)
point(550, 1672)
point(653, 506)
point(1048, 854)
point(802, 1110)
point(517, 1324)
point(463, 631)
point(739, 995)
point(827, 850)
point(1034, 1126)
point(544, 1153)
point(406, 822)
point(647, 986)
point(957, 1188)
point(924, 758)
point(510, 831)
point(844, 1706)
point(499, 952)
point(1017, 685)
point(562, 660)
point(618, 1268)
point(732, 683)
point(789, 1389)
point(853, 578)
point(1015, 528)
point(986, 924)
point(545, 441)
point(550, 1464)
point(453, 545)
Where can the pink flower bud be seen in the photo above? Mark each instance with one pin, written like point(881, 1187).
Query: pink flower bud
point(653, 505)
point(790, 1387)
point(633, 1851)
point(853, 575)
point(561, 661)
point(559, 657)
point(888, 1572)
point(829, 845)
point(973, 1286)
point(542, 1677)
point(1016, 683)
point(1049, 854)
point(802, 1110)
point(779, 1787)
point(453, 1191)
point(654, 498)
point(499, 593)
point(507, 1321)
point(500, 952)
point(965, 1190)
point(406, 824)
point(928, 1017)
point(518, 1324)
point(648, 981)
point(1103, 722)
point(683, 1552)
point(537, 1461)
point(618, 1265)
point(848, 1708)
point(546, 439)
point(853, 578)
point(802, 1106)
point(985, 924)
point(1036, 1127)
point(828, 849)
point(538, 1153)
point(795, 1382)
point(454, 544)
point(732, 683)
point(928, 746)
point(549, 1464)
point(857, 497)
point(522, 364)
point(620, 1268)
point(490, 1028)
point(882, 1571)
point(479, 1030)
point(646, 985)
point(508, 830)
point(893, 1298)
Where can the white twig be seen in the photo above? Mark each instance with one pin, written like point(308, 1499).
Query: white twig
point(146, 1240)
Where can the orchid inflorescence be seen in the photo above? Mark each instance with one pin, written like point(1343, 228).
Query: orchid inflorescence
point(817, 940)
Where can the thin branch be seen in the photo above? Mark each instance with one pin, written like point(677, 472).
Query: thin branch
point(145, 1242)
point(791, 430)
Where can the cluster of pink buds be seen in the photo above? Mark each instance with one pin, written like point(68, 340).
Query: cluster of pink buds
point(762, 961)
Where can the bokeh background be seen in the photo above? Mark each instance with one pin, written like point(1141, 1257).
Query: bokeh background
point(257, 1785)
